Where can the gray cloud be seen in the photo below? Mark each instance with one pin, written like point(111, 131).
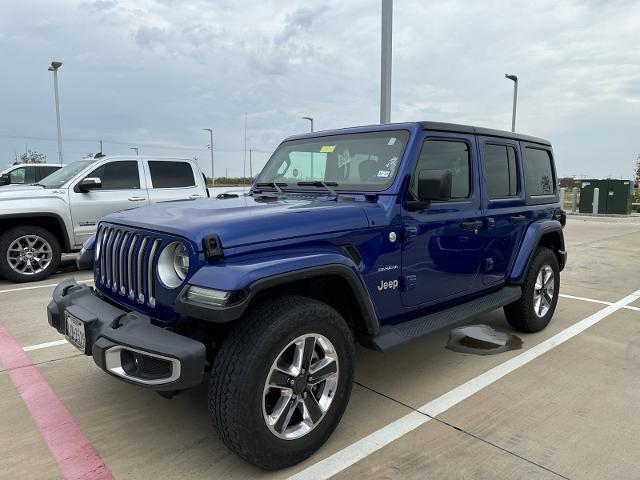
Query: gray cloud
point(155, 72)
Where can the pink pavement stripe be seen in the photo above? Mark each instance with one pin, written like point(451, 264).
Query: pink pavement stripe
point(72, 450)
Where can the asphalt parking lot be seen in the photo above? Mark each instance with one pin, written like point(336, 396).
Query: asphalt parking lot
point(561, 406)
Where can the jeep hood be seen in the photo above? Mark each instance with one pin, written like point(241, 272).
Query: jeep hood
point(245, 220)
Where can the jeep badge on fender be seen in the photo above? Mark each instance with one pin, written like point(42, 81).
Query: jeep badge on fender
point(378, 235)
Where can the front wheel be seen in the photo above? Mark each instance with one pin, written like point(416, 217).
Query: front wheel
point(281, 381)
point(533, 311)
point(28, 253)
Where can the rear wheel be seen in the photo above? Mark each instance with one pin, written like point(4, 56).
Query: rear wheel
point(281, 381)
point(28, 253)
point(533, 311)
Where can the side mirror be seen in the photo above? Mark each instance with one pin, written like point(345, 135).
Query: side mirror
point(4, 179)
point(434, 185)
point(89, 183)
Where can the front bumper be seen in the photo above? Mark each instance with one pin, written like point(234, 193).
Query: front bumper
point(126, 344)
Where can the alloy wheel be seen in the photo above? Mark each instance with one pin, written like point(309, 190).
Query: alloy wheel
point(300, 386)
point(29, 254)
point(543, 291)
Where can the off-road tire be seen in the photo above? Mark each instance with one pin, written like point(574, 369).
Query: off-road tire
point(521, 314)
point(8, 237)
point(242, 365)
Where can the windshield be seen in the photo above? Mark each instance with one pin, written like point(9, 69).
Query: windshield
point(360, 161)
point(62, 176)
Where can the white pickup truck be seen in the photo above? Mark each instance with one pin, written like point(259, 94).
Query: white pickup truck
point(38, 222)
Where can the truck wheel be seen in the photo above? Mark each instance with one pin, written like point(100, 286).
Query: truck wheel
point(281, 381)
point(533, 311)
point(28, 253)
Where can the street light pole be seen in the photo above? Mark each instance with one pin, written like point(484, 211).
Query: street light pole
point(310, 120)
point(385, 62)
point(54, 68)
point(513, 78)
point(133, 148)
point(213, 171)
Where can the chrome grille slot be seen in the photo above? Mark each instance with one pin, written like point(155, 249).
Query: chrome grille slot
point(107, 259)
point(128, 263)
point(130, 260)
point(121, 264)
point(151, 269)
point(114, 261)
point(140, 278)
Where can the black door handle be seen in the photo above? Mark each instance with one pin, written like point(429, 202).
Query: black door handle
point(517, 218)
point(472, 225)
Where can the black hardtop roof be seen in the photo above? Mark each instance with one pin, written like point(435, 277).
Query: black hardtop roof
point(489, 132)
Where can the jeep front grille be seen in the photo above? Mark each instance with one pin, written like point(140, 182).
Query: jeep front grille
point(128, 263)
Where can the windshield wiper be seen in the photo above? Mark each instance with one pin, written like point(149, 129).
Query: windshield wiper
point(320, 183)
point(272, 184)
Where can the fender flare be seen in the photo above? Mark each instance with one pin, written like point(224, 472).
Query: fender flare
point(251, 284)
point(66, 243)
point(535, 231)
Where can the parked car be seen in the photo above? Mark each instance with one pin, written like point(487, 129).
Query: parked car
point(62, 211)
point(26, 173)
point(379, 235)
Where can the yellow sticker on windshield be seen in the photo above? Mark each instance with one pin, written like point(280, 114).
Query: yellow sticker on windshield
point(327, 148)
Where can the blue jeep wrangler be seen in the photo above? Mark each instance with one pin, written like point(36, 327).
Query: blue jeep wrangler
point(378, 235)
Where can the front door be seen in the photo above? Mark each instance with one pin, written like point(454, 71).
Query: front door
point(123, 187)
point(441, 252)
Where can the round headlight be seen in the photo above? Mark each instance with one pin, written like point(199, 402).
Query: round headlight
point(173, 264)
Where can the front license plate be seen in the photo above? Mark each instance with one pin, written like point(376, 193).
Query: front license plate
point(75, 332)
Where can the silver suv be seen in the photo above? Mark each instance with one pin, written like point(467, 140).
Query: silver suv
point(39, 222)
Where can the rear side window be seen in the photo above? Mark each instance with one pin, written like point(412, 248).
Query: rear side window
point(538, 172)
point(171, 174)
point(118, 175)
point(446, 155)
point(500, 170)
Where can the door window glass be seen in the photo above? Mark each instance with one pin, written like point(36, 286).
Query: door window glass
point(500, 171)
point(118, 175)
point(17, 175)
point(171, 174)
point(538, 172)
point(446, 155)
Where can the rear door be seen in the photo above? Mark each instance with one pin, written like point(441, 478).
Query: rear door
point(123, 187)
point(441, 252)
point(173, 180)
point(504, 214)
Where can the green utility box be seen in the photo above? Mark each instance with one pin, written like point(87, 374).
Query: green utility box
point(615, 196)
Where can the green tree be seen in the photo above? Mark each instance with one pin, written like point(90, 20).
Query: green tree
point(31, 156)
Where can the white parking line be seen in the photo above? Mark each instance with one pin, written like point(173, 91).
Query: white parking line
point(584, 299)
point(361, 449)
point(40, 286)
point(55, 343)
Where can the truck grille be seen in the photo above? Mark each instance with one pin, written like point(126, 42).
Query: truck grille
point(128, 263)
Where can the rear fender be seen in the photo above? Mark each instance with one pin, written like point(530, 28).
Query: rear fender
point(534, 233)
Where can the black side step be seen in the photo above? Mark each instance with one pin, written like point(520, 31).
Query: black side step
point(392, 336)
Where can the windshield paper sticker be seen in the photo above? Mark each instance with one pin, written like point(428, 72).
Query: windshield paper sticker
point(391, 141)
point(327, 148)
point(344, 158)
point(383, 173)
point(392, 163)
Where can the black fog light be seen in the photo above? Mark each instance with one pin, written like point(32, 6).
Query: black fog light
point(143, 366)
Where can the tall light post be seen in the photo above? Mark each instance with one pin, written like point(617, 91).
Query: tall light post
point(310, 120)
point(385, 62)
point(213, 171)
point(135, 149)
point(514, 78)
point(54, 68)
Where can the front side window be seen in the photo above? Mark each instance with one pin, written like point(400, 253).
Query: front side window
point(500, 171)
point(538, 171)
point(118, 175)
point(446, 155)
point(361, 161)
point(17, 175)
point(171, 174)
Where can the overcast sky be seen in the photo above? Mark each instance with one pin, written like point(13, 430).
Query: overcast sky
point(153, 73)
